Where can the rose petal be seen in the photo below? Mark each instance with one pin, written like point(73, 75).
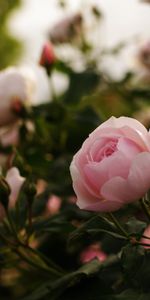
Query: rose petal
point(128, 148)
point(124, 121)
point(139, 176)
point(136, 185)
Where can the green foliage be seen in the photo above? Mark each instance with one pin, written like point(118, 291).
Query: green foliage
point(10, 48)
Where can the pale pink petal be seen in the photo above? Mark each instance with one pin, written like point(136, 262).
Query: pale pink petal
point(136, 185)
point(124, 126)
point(15, 182)
point(124, 121)
point(116, 189)
point(139, 176)
point(128, 148)
point(102, 205)
point(96, 174)
point(83, 195)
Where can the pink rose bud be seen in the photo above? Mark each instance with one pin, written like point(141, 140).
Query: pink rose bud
point(92, 252)
point(48, 57)
point(112, 168)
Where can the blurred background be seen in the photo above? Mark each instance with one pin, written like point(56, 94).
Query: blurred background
point(30, 21)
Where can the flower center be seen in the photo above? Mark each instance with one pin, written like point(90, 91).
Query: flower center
point(107, 150)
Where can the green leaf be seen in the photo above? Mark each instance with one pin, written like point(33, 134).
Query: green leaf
point(132, 295)
point(56, 288)
point(97, 224)
point(135, 226)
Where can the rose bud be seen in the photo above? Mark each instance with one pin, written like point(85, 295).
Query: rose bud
point(112, 168)
point(12, 184)
point(15, 182)
point(16, 90)
point(48, 57)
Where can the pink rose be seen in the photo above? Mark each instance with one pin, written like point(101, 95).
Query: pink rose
point(112, 168)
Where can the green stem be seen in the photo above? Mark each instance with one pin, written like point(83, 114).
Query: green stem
point(53, 93)
point(52, 268)
point(118, 225)
point(145, 208)
point(12, 226)
point(34, 264)
point(42, 257)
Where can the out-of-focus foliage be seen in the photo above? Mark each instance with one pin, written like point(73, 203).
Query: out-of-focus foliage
point(10, 48)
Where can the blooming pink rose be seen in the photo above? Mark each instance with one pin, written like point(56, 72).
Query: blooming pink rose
point(112, 168)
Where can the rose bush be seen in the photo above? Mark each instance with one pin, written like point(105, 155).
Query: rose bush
point(112, 168)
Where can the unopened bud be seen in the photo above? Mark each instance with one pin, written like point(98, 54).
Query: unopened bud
point(30, 189)
point(4, 192)
point(47, 58)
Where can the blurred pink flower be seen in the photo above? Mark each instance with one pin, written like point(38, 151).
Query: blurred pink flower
point(91, 252)
point(41, 186)
point(53, 205)
point(16, 89)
